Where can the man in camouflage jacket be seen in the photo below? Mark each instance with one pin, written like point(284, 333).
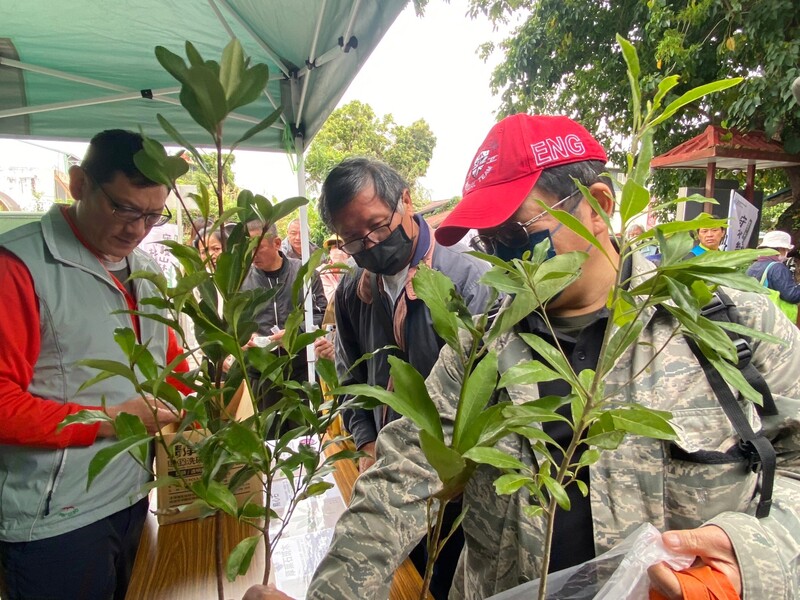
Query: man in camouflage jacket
point(706, 510)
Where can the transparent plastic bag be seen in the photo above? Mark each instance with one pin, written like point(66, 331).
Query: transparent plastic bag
point(619, 574)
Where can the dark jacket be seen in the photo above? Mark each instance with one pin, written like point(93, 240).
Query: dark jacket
point(359, 328)
point(779, 277)
point(278, 309)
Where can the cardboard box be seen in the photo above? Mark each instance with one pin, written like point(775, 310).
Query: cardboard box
point(170, 498)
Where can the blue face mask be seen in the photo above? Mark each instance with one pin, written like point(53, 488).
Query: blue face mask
point(507, 253)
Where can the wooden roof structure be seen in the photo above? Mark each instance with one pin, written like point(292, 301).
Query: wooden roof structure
point(719, 148)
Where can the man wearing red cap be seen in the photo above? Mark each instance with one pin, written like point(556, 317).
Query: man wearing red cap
point(705, 507)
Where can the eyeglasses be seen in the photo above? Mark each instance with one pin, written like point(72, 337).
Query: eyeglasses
point(511, 235)
point(376, 236)
point(131, 215)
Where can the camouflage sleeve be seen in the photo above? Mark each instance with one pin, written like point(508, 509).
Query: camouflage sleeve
point(387, 514)
point(768, 550)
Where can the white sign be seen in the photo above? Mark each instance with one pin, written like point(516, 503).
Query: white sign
point(742, 217)
point(160, 253)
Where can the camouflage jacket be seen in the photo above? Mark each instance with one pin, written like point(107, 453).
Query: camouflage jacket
point(639, 482)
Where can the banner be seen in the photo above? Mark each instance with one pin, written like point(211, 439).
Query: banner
point(742, 217)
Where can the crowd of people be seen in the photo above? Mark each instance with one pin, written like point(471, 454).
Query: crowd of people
point(64, 284)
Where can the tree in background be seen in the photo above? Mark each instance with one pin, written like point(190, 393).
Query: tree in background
point(562, 58)
point(355, 130)
point(200, 174)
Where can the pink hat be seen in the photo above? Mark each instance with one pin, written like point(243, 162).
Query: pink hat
point(508, 165)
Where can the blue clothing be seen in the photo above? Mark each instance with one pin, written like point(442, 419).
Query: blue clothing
point(779, 277)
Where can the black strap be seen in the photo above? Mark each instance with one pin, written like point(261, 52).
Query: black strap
point(756, 445)
point(722, 309)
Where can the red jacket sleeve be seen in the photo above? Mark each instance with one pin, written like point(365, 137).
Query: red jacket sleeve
point(173, 351)
point(25, 419)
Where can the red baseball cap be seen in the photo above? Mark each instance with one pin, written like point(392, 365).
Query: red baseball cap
point(508, 165)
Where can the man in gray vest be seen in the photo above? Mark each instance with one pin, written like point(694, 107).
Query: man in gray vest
point(63, 288)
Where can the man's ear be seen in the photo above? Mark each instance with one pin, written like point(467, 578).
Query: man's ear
point(405, 198)
point(78, 182)
point(605, 198)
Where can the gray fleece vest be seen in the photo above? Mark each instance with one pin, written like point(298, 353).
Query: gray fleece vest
point(43, 492)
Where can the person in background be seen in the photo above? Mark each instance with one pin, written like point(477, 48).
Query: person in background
point(291, 245)
point(635, 231)
point(65, 289)
point(368, 205)
point(329, 275)
point(708, 238)
point(778, 275)
point(273, 269)
point(694, 489)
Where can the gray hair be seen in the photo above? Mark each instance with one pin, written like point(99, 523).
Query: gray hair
point(352, 175)
point(257, 226)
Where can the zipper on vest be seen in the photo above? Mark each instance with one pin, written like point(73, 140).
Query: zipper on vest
point(51, 488)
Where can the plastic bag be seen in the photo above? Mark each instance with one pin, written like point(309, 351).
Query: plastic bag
point(619, 574)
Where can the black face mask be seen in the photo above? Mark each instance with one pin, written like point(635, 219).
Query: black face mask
point(389, 256)
point(507, 253)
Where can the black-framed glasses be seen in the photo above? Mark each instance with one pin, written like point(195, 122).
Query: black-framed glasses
point(131, 215)
point(511, 235)
point(376, 236)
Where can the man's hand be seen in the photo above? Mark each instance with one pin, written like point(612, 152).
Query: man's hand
point(323, 348)
point(264, 592)
point(153, 413)
point(365, 462)
point(711, 546)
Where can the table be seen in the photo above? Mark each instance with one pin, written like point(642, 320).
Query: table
point(176, 562)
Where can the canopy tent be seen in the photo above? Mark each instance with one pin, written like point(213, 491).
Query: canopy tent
point(71, 69)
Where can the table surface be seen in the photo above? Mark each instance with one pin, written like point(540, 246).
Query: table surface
point(176, 562)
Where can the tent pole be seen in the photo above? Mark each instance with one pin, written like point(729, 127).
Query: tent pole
point(30, 110)
point(311, 63)
point(305, 249)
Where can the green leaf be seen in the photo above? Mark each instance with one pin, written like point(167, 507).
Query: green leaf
point(510, 483)
point(445, 461)
point(584, 489)
point(641, 174)
point(589, 457)
point(527, 373)
point(203, 97)
point(495, 458)
point(664, 86)
point(619, 342)
point(422, 412)
point(477, 390)
point(85, 417)
point(575, 225)
point(733, 376)
point(252, 85)
point(551, 355)
point(241, 556)
point(258, 127)
point(231, 67)
point(172, 63)
point(635, 199)
point(639, 420)
point(125, 339)
point(556, 490)
point(695, 94)
point(435, 289)
point(608, 440)
point(219, 496)
point(111, 453)
point(110, 367)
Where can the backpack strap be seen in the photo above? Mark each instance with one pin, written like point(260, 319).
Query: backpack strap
point(755, 446)
point(723, 310)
